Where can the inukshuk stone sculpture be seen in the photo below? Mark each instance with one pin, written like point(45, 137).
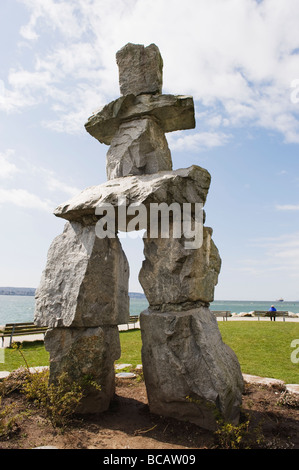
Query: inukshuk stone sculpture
point(190, 374)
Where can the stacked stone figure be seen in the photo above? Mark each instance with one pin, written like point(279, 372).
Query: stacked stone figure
point(190, 374)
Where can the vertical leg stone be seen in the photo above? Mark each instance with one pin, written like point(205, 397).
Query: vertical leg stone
point(190, 374)
point(82, 297)
point(85, 282)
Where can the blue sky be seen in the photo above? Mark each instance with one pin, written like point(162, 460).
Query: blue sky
point(239, 59)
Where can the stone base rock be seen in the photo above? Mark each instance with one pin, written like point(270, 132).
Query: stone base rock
point(190, 374)
point(86, 355)
point(85, 282)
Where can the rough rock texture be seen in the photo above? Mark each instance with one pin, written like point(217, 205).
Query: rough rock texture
point(85, 282)
point(138, 147)
point(140, 69)
point(172, 274)
point(171, 112)
point(86, 354)
point(134, 125)
point(190, 374)
point(187, 185)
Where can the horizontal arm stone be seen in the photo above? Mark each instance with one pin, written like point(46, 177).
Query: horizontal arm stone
point(188, 185)
point(172, 113)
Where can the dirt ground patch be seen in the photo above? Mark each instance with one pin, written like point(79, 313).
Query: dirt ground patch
point(273, 418)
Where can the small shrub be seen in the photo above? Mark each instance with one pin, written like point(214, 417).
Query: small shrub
point(63, 400)
point(59, 400)
point(229, 436)
point(9, 421)
point(35, 387)
point(139, 376)
point(240, 436)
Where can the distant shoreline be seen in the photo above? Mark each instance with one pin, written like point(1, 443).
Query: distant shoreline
point(31, 292)
point(17, 291)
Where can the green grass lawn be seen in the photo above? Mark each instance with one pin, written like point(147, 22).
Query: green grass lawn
point(130, 342)
point(262, 348)
point(34, 353)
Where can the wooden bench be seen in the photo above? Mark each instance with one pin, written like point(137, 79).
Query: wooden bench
point(222, 313)
point(20, 329)
point(266, 313)
point(133, 319)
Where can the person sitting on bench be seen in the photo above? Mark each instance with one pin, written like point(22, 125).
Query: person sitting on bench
point(272, 309)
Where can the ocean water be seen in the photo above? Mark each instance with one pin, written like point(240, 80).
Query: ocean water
point(238, 306)
point(19, 308)
point(16, 308)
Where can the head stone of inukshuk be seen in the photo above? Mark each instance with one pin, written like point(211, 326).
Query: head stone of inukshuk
point(135, 124)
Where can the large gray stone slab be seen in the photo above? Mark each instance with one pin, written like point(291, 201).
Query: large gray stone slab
point(187, 185)
point(85, 282)
point(190, 374)
point(171, 112)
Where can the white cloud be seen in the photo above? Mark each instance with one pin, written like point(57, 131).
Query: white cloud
point(235, 57)
point(269, 270)
point(197, 141)
point(49, 181)
point(288, 207)
point(277, 254)
point(58, 15)
point(54, 184)
point(24, 80)
point(45, 181)
point(14, 100)
point(7, 168)
point(25, 199)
